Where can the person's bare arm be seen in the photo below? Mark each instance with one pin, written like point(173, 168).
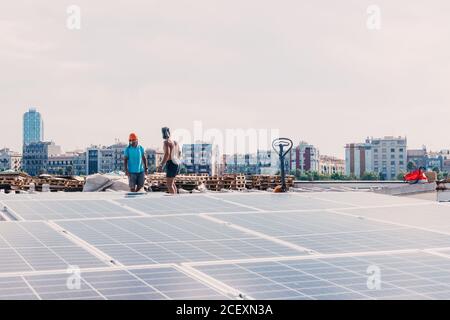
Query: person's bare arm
point(125, 163)
point(166, 153)
point(144, 159)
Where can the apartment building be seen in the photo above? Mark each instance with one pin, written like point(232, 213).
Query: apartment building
point(199, 158)
point(331, 165)
point(10, 160)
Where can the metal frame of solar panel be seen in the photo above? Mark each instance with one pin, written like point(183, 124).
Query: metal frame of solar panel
point(257, 245)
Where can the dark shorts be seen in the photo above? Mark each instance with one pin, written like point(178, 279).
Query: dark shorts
point(172, 169)
point(136, 180)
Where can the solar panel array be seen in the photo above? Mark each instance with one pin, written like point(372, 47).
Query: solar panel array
point(325, 245)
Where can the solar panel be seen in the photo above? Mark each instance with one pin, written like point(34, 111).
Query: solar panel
point(172, 239)
point(31, 246)
point(33, 210)
point(397, 276)
point(327, 232)
point(430, 215)
point(137, 284)
point(364, 198)
point(265, 245)
point(167, 205)
point(280, 202)
point(15, 288)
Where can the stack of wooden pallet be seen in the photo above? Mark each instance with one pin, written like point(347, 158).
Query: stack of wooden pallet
point(59, 183)
point(14, 181)
point(157, 182)
point(241, 183)
point(214, 183)
point(226, 182)
point(189, 182)
point(264, 182)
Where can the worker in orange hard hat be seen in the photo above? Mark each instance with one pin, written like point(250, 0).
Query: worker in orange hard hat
point(135, 163)
point(133, 137)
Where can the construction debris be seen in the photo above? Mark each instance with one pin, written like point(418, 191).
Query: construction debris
point(59, 183)
point(237, 182)
point(17, 181)
point(14, 181)
point(157, 181)
point(106, 182)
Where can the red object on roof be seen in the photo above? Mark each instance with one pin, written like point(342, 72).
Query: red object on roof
point(416, 176)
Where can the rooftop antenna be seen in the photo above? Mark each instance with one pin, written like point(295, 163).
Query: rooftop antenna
point(282, 146)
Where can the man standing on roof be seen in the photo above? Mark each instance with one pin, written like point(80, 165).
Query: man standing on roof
point(135, 164)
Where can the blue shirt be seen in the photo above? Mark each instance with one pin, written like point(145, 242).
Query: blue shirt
point(134, 156)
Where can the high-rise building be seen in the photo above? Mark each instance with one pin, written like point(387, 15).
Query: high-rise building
point(33, 127)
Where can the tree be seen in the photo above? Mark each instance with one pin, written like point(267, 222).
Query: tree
point(410, 166)
point(401, 176)
point(369, 176)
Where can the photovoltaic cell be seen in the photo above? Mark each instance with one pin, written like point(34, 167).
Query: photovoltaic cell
point(431, 216)
point(278, 202)
point(33, 246)
point(32, 210)
point(139, 284)
point(15, 288)
point(167, 205)
point(397, 276)
point(362, 199)
point(172, 239)
point(327, 232)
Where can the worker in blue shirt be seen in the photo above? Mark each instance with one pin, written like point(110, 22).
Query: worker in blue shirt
point(135, 164)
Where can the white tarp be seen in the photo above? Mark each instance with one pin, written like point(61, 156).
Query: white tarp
point(106, 182)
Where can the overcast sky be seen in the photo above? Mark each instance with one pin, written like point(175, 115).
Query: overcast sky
point(309, 68)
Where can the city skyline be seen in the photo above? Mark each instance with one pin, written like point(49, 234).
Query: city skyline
point(69, 149)
point(314, 71)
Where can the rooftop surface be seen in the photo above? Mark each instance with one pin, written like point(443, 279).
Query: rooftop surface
point(317, 245)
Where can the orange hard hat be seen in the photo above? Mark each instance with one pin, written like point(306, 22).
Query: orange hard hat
point(133, 137)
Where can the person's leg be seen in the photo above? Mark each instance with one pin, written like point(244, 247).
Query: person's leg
point(176, 170)
point(132, 182)
point(170, 185)
point(140, 181)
